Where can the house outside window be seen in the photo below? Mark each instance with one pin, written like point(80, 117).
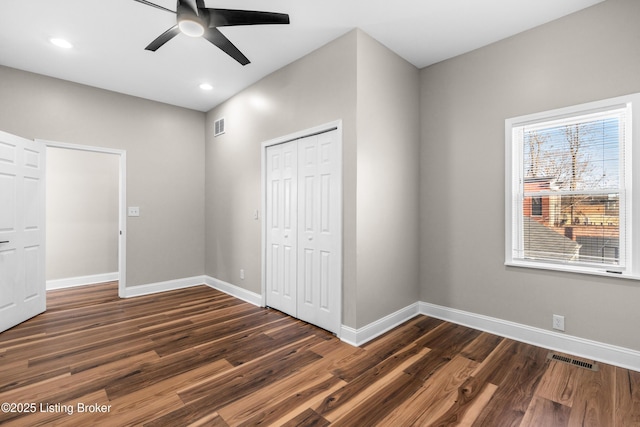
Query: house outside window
point(569, 196)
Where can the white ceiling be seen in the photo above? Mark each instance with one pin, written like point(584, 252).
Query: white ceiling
point(109, 37)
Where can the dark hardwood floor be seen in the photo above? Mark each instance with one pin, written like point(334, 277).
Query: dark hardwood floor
point(202, 358)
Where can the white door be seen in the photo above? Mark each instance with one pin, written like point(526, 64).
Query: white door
point(303, 229)
point(22, 233)
point(281, 223)
point(319, 235)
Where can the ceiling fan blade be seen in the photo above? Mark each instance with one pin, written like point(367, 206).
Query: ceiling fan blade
point(163, 38)
point(218, 39)
point(148, 3)
point(229, 17)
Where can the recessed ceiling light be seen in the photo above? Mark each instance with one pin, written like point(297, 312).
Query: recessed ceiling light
point(206, 86)
point(61, 43)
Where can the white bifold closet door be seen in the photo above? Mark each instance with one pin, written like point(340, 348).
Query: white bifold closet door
point(303, 236)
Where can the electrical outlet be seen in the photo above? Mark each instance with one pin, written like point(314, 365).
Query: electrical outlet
point(241, 274)
point(558, 322)
point(133, 211)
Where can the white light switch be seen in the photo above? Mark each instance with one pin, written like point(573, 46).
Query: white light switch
point(133, 211)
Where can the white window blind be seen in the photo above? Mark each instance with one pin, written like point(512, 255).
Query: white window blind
point(569, 184)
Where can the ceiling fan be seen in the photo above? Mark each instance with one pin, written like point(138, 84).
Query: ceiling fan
point(196, 20)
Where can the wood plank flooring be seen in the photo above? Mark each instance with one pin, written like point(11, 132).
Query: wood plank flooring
point(199, 357)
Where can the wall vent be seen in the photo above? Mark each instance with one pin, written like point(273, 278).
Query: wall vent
point(574, 362)
point(218, 127)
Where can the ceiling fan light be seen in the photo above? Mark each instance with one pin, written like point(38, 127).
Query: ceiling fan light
point(191, 27)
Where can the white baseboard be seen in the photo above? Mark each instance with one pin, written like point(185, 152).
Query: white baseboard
point(357, 337)
point(71, 282)
point(233, 290)
point(170, 285)
point(589, 349)
point(601, 352)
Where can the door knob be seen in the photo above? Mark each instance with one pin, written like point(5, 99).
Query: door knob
point(310, 238)
point(5, 241)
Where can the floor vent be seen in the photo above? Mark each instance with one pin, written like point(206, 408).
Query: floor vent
point(571, 361)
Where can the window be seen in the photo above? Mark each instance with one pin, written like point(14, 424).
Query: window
point(570, 201)
point(536, 206)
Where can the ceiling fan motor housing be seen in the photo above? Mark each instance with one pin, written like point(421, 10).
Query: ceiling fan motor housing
point(190, 22)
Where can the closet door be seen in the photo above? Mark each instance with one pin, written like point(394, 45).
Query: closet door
point(281, 223)
point(303, 253)
point(319, 231)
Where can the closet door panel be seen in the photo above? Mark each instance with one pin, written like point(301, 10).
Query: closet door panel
point(319, 231)
point(281, 222)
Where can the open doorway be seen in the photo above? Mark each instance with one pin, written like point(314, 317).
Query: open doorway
point(85, 215)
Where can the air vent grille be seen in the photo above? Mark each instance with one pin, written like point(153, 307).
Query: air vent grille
point(218, 127)
point(574, 362)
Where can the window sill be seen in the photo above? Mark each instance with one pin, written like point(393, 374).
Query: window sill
point(571, 269)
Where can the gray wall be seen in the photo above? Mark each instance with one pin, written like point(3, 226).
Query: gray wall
point(388, 110)
point(587, 56)
point(374, 92)
point(82, 213)
point(165, 162)
point(317, 89)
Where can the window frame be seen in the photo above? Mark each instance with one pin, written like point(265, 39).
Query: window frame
point(514, 158)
